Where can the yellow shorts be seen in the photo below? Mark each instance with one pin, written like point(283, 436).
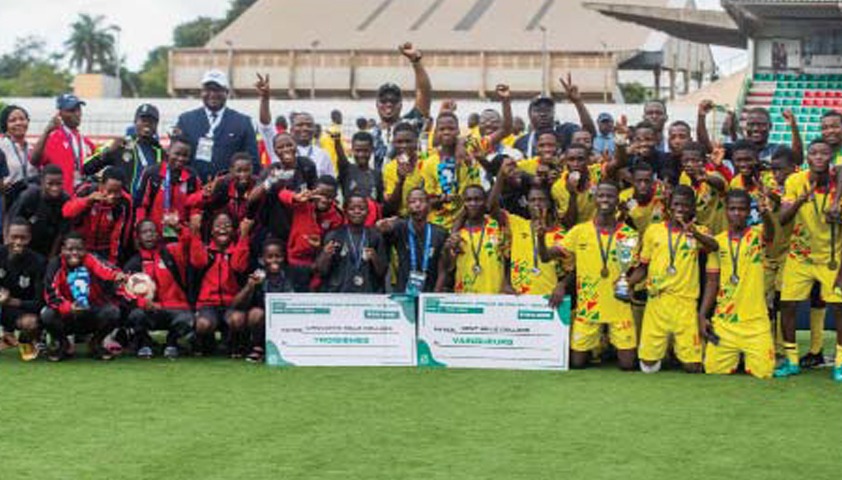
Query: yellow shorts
point(798, 281)
point(666, 316)
point(753, 339)
point(585, 336)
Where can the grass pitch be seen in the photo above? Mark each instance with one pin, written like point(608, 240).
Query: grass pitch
point(219, 419)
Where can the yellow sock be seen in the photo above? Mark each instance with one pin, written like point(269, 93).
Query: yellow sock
point(816, 330)
point(791, 350)
point(838, 362)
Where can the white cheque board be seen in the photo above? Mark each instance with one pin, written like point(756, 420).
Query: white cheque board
point(492, 331)
point(313, 329)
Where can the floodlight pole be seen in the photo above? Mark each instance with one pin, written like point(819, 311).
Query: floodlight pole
point(313, 45)
point(545, 62)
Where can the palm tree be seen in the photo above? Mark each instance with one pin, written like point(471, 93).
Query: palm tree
point(92, 45)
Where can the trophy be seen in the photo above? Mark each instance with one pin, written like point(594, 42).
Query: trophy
point(625, 250)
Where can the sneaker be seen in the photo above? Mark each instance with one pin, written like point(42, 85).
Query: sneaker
point(144, 352)
point(787, 369)
point(28, 352)
point(171, 352)
point(837, 374)
point(8, 340)
point(811, 360)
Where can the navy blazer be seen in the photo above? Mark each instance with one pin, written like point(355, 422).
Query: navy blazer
point(234, 134)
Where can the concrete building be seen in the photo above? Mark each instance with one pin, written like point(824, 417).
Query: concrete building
point(330, 48)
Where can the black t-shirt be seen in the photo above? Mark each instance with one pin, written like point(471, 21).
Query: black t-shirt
point(515, 199)
point(272, 284)
point(44, 215)
point(366, 181)
point(399, 239)
point(346, 267)
point(23, 277)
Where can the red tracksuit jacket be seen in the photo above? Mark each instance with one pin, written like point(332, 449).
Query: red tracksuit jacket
point(170, 291)
point(151, 203)
point(57, 291)
point(219, 284)
point(105, 228)
point(307, 223)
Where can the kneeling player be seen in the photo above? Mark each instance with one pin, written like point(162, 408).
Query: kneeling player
point(220, 263)
point(21, 284)
point(169, 309)
point(670, 263)
point(77, 302)
point(594, 245)
point(271, 279)
point(735, 282)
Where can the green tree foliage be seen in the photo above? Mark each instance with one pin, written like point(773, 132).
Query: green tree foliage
point(92, 45)
point(635, 92)
point(29, 71)
point(196, 33)
point(153, 75)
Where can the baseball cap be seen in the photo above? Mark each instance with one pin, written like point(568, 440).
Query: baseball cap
point(147, 110)
point(68, 101)
point(542, 100)
point(217, 77)
point(388, 88)
point(604, 117)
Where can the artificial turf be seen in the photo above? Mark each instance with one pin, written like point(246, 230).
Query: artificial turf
point(220, 419)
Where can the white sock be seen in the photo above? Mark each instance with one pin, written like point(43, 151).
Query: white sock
point(650, 368)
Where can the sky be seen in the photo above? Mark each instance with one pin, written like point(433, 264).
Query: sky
point(145, 24)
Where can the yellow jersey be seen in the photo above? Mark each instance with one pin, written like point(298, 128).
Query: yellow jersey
point(673, 259)
point(741, 296)
point(530, 275)
point(480, 266)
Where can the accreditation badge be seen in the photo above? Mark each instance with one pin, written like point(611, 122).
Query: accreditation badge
point(204, 149)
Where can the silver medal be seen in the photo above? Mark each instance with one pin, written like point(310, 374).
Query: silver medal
point(358, 280)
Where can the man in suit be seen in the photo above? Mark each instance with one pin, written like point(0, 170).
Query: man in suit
point(215, 131)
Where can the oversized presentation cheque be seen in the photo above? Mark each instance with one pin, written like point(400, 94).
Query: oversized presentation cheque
point(492, 331)
point(340, 330)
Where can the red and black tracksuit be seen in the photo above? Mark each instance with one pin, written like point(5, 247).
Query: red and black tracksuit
point(58, 316)
point(305, 238)
point(150, 202)
point(106, 229)
point(167, 266)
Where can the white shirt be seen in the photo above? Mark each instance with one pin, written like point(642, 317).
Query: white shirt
point(324, 165)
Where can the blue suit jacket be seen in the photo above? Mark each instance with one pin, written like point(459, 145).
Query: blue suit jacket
point(234, 134)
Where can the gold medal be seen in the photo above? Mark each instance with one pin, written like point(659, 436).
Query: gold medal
point(604, 272)
point(477, 269)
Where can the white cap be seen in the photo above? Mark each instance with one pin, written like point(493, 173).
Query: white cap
point(217, 77)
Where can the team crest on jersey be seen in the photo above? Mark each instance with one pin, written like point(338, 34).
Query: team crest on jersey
point(161, 264)
point(326, 225)
point(344, 252)
point(24, 282)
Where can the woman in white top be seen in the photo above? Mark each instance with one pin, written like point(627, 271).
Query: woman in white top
point(14, 123)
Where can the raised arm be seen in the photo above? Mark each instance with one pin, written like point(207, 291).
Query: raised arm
point(423, 87)
point(705, 106)
point(575, 97)
point(506, 127)
point(797, 143)
point(37, 158)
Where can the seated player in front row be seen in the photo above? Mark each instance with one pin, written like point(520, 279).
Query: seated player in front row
point(669, 262)
point(76, 284)
point(271, 278)
point(735, 284)
point(220, 265)
point(21, 287)
point(170, 308)
point(594, 246)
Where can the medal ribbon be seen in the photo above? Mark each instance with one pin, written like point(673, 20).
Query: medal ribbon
point(413, 254)
point(603, 252)
point(476, 251)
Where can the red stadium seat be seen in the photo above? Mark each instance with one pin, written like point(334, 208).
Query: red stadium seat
point(808, 102)
point(808, 94)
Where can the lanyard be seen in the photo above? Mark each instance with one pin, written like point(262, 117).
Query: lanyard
point(824, 202)
point(167, 189)
point(357, 249)
point(672, 247)
point(530, 145)
point(140, 155)
point(735, 256)
point(475, 251)
point(603, 252)
point(413, 254)
point(76, 144)
point(213, 122)
point(535, 267)
point(23, 159)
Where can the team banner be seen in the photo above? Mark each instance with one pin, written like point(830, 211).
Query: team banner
point(492, 331)
point(340, 330)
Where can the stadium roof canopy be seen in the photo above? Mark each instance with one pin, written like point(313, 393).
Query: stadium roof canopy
point(733, 27)
point(440, 25)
